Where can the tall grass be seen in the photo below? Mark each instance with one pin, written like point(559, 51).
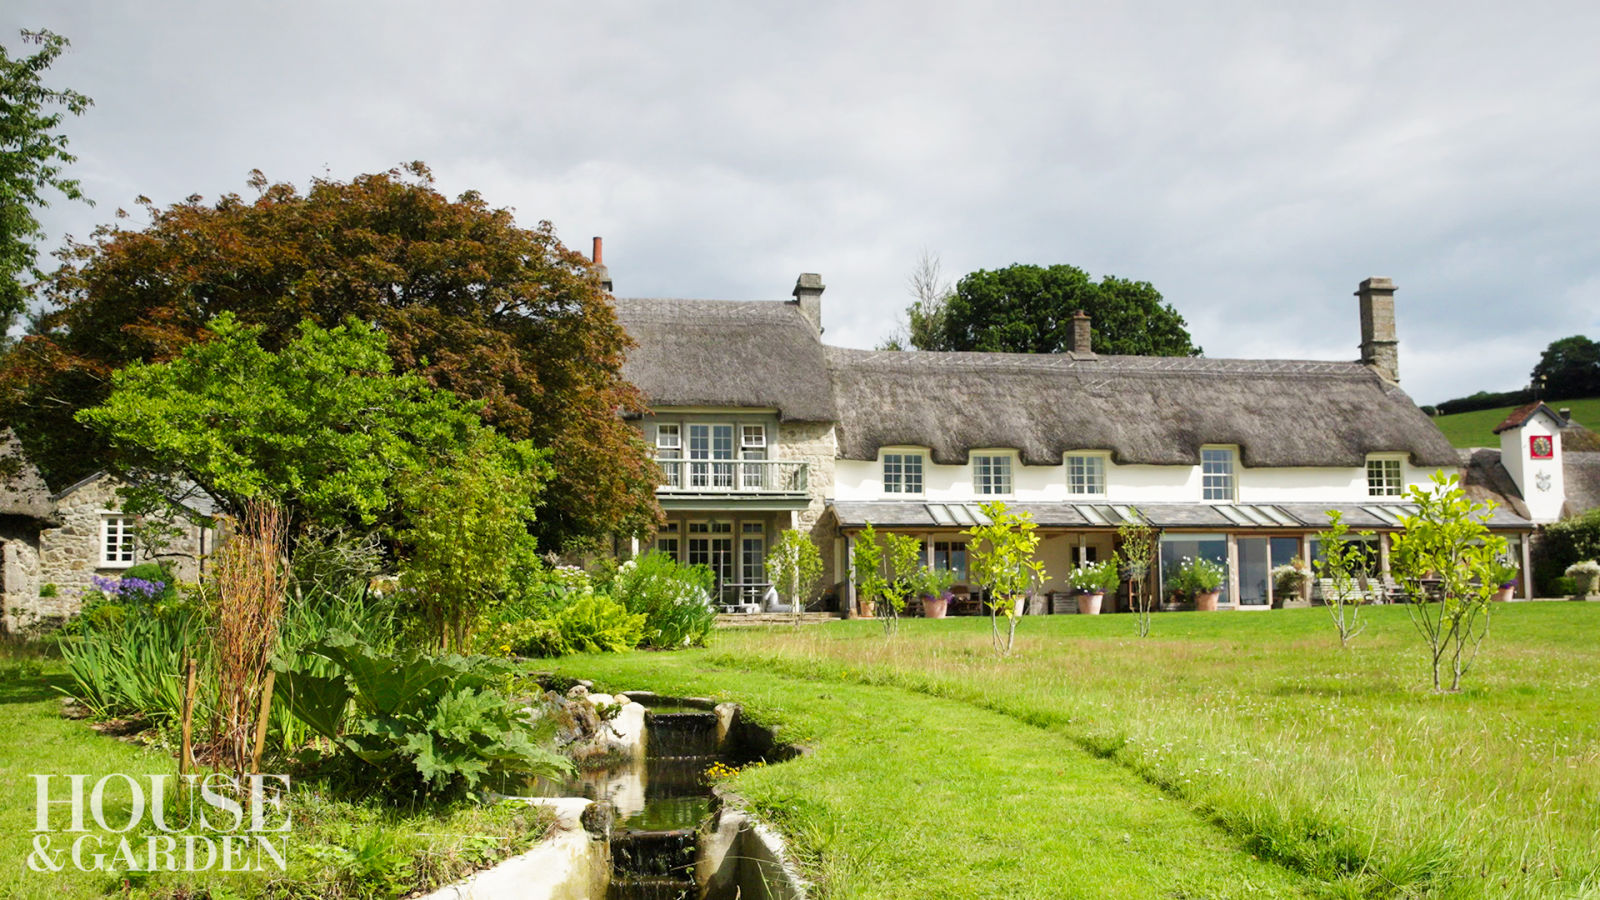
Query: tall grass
point(1339, 763)
point(250, 580)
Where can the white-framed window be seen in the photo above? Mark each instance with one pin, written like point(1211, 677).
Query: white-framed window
point(669, 453)
point(116, 541)
point(668, 540)
point(1086, 475)
point(752, 446)
point(1216, 474)
point(1383, 478)
point(991, 473)
point(902, 473)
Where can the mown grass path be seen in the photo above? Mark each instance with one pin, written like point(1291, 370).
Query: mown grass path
point(905, 795)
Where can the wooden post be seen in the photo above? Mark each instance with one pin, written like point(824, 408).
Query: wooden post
point(261, 722)
point(186, 752)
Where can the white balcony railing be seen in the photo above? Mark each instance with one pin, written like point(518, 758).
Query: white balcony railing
point(764, 477)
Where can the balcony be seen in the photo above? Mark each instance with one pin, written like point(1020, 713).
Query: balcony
point(768, 483)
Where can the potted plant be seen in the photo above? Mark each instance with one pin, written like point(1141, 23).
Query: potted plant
point(1585, 578)
point(934, 585)
point(1091, 582)
point(1289, 580)
point(1202, 579)
point(1503, 575)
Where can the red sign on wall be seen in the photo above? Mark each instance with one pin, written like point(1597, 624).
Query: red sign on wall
point(1541, 446)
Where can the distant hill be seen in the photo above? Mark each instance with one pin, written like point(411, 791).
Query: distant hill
point(1476, 429)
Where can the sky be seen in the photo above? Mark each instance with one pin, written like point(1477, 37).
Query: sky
point(1253, 161)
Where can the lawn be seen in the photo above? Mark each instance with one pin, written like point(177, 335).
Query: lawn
point(1476, 429)
point(337, 849)
point(1094, 763)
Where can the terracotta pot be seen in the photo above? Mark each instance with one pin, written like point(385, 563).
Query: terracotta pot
point(935, 607)
point(1089, 604)
point(1504, 593)
point(869, 608)
point(1206, 601)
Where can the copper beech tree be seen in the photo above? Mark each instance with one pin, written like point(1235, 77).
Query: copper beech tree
point(471, 301)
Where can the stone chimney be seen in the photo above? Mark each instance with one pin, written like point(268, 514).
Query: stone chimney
point(600, 265)
point(1082, 335)
point(808, 290)
point(1380, 350)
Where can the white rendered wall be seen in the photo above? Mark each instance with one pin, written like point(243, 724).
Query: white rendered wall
point(863, 480)
point(1541, 481)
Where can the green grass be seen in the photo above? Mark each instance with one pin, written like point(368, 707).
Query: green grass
point(337, 849)
point(1476, 429)
point(1094, 763)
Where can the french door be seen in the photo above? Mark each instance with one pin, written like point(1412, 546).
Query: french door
point(711, 457)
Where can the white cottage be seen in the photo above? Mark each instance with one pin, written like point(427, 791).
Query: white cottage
point(759, 426)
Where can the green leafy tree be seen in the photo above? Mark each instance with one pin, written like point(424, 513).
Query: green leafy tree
point(471, 302)
point(1447, 561)
point(866, 563)
point(322, 427)
point(466, 532)
point(32, 156)
point(1029, 309)
point(1343, 566)
point(1137, 541)
point(1002, 561)
point(1568, 368)
point(794, 566)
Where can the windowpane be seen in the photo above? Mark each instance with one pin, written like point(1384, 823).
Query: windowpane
point(116, 540)
point(902, 473)
point(951, 555)
point(1216, 474)
point(992, 474)
point(1383, 478)
point(1086, 475)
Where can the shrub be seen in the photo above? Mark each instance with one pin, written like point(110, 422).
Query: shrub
point(1563, 543)
point(1197, 576)
point(428, 724)
point(49, 589)
point(132, 665)
point(1094, 578)
point(674, 599)
point(529, 637)
point(1585, 576)
point(598, 624)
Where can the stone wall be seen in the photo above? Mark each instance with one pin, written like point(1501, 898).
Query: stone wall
point(68, 555)
point(19, 571)
point(816, 443)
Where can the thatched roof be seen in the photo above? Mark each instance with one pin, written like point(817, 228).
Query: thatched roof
point(1144, 410)
point(22, 490)
point(1581, 473)
point(761, 354)
point(1484, 477)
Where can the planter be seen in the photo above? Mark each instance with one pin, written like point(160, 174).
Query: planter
point(1504, 594)
point(1089, 604)
point(935, 607)
point(1206, 601)
point(869, 608)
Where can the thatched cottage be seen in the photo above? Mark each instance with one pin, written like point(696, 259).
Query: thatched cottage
point(53, 544)
point(759, 426)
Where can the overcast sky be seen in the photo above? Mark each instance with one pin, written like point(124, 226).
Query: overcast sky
point(1253, 164)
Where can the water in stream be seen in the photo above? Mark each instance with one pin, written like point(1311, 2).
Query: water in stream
point(660, 803)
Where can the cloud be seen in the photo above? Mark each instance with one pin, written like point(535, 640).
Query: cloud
point(1253, 163)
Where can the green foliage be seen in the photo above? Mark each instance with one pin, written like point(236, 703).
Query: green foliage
point(1095, 578)
point(674, 599)
point(1137, 543)
point(887, 568)
point(34, 156)
point(433, 725)
point(49, 589)
point(1445, 558)
point(1585, 577)
point(1001, 557)
point(133, 665)
point(322, 426)
point(1029, 309)
point(1569, 367)
point(466, 533)
point(1197, 576)
point(525, 637)
point(598, 624)
point(866, 563)
point(794, 566)
point(1568, 541)
point(1343, 566)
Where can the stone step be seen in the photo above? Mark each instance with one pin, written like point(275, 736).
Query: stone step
point(744, 620)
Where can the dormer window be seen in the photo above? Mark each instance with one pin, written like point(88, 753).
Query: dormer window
point(902, 473)
point(1216, 475)
point(1383, 478)
point(1086, 475)
point(991, 473)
